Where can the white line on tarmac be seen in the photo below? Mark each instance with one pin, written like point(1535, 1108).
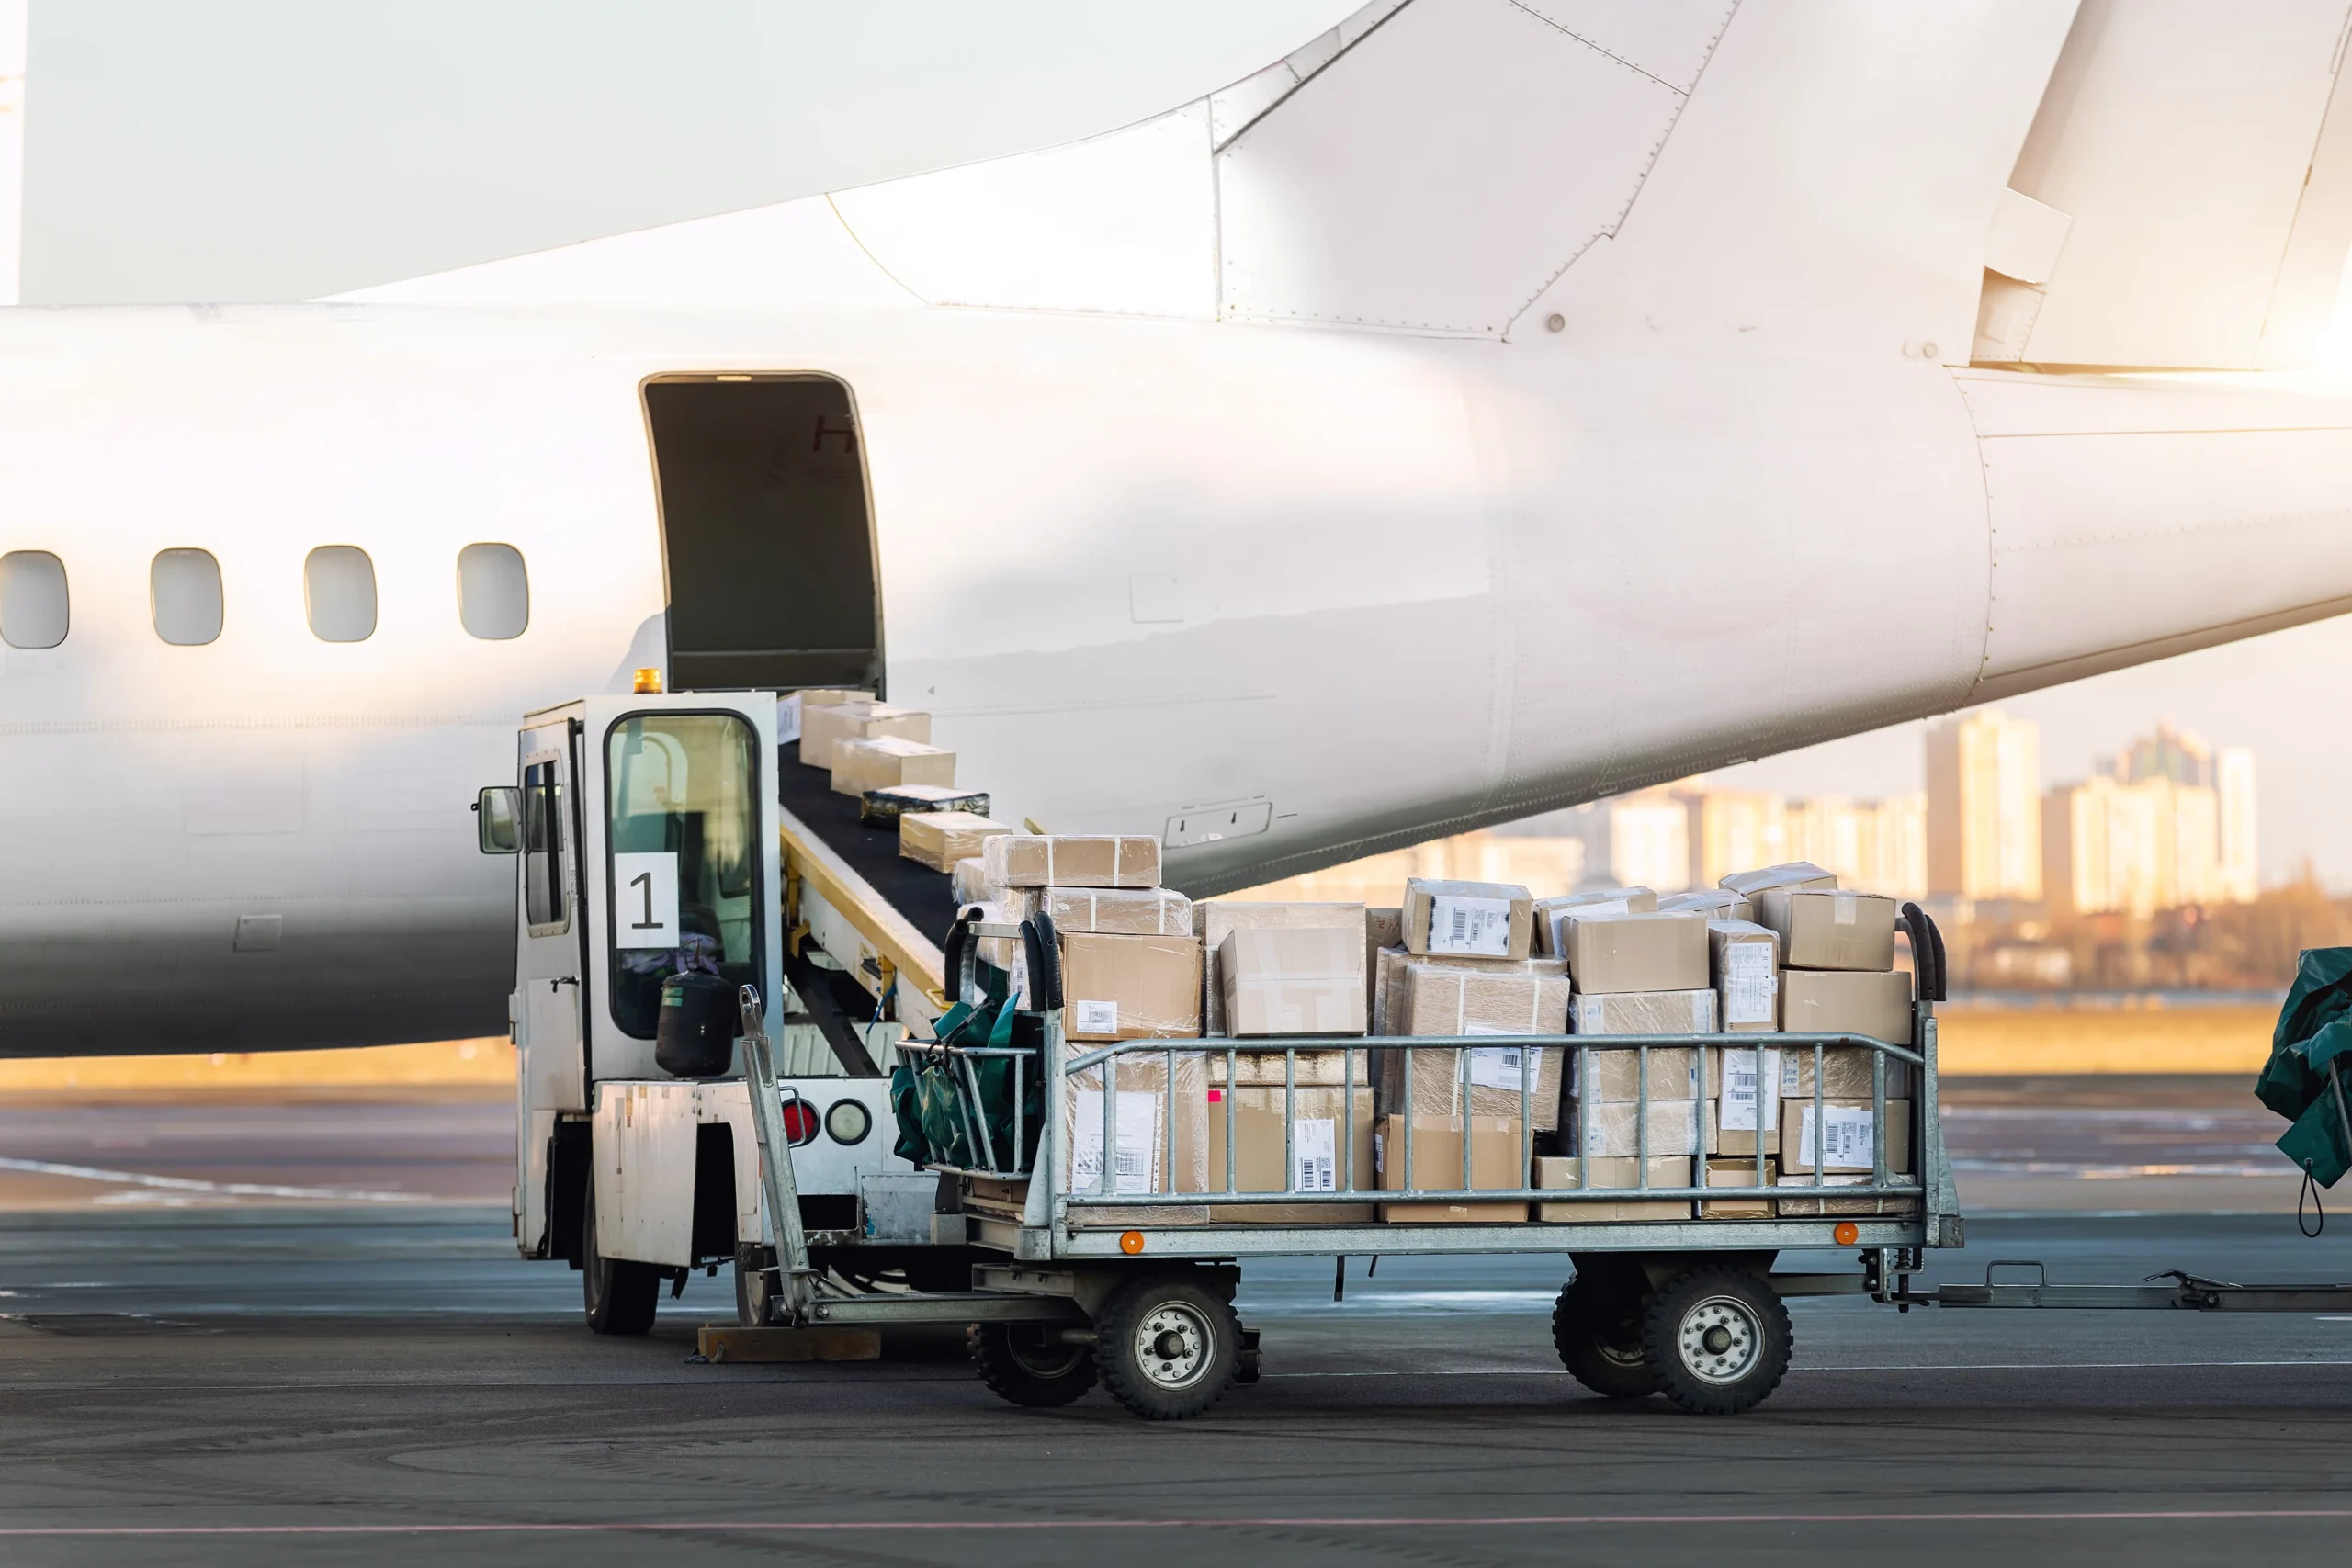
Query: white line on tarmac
point(191, 1184)
point(1930, 1367)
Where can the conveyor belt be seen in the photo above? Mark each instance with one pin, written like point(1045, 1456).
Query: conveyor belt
point(923, 897)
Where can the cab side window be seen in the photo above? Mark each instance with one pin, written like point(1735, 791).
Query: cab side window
point(545, 908)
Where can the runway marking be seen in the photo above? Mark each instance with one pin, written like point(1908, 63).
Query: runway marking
point(1353, 1522)
point(191, 1184)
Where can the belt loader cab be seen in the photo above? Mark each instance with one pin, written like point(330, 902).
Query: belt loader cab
point(649, 888)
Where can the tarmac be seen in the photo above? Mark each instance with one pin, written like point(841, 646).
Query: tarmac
point(292, 1328)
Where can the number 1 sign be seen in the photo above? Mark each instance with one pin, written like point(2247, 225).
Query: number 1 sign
point(645, 901)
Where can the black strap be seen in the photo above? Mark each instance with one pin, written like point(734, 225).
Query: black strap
point(2310, 1191)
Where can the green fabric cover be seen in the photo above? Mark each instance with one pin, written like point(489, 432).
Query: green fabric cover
point(2315, 1029)
point(927, 1092)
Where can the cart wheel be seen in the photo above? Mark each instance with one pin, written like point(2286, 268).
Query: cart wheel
point(619, 1297)
point(1167, 1348)
point(1028, 1363)
point(1597, 1329)
point(1718, 1339)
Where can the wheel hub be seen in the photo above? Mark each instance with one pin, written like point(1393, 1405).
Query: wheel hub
point(1174, 1345)
point(1721, 1340)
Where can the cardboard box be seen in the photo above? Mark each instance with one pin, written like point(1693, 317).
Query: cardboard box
point(940, 839)
point(883, 808)
point(1382, 928)
point(1850, 1136)
point(793, 705)
point(1114, 911)
point(969, 881)
point(1745, 959)
point(1560, 1170)
point(1875, 1005)
point(1551, 914)
point(1738, 1173)
point(1443, 999)
point(1066, 860)
point(1319, 1152)
point(1642, 1012)
point(1716, 903)
point(1822, 1204)
point(1845, 1073)
point(1663, 951)
point(1615, 1077)
point(886, 760)
point(1160, 1135)
point(1129, 988)
point(1495, 1143)
point(1821, 930)
point(1675, 1127)
point(1495, 1073)
point(1392, 968)
point(1324, 1070)
point(1467, 919)
point(823, 729)
point(1293, 980)
point(1214, 920)
point(1789, 873)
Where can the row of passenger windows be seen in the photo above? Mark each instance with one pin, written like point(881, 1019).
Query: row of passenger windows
point(338, 591)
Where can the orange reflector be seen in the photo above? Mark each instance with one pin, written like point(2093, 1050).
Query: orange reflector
point(1131, 1242)
point(647, 680)
point(1847, 1232)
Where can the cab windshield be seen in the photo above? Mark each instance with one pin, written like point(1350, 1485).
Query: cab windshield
point(683, 856)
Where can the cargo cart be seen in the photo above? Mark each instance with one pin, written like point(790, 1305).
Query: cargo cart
point(1102, 1260)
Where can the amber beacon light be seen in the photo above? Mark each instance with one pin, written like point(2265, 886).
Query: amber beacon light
point(648, 682)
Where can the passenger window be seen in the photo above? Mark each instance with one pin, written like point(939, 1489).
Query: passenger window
point(545, 909)
point(493, 592)
point(32, 599)
point(184, 595)
point(684, 857)
point(339, 587)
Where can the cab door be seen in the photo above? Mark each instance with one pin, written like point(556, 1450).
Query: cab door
point(551, 1068)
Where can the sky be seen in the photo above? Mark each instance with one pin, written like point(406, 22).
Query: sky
point(258, 150)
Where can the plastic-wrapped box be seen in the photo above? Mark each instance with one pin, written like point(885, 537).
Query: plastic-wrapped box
point(1158, 1142)
point(1106, 860)
point(886, 760)
point(1214, 920)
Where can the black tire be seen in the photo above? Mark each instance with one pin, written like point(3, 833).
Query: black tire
point(1166, 1348)
point(1597, 1329)
point(619, 1297)
point(1029, 1364)
point(1718, 1339)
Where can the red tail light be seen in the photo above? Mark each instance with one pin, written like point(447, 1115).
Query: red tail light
point(801, 1122)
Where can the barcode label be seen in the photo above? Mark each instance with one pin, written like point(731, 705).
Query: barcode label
point(1847, 1139)
point(1479, 927)
point(1315, 1155)
point(1133, 1166)
point(1094, 1018)
point(1495, 1066)
point(1743, 1081)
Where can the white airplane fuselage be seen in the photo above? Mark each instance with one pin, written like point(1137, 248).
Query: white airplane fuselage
point(1384, 586)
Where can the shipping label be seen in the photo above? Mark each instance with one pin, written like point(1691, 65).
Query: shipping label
point(1750, 983)
point(1744, 1084)
point(1475, 927)
point(1138, 1139)
point(1094, 1018)
point(1315, 1155)
point(1497, 1067)
point(1849, 1133)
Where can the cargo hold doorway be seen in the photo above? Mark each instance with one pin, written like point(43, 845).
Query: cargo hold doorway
point(767, 537)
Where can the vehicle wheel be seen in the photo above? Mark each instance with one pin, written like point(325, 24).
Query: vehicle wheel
point(1166, 1348)
point(1028, 1363)
point(1718, 1339)
point(619, 1296)
point(1597, 1329)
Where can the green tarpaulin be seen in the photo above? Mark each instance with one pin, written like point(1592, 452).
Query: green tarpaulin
point(2300, 1081)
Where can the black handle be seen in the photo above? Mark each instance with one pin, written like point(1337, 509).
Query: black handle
point(959, 941)
point(1044, 953)
point(1927, 952)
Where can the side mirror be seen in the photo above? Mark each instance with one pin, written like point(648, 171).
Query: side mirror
point(498, 819)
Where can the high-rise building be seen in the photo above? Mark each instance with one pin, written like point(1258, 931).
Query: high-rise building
point(1649, 841)
point(1984, 806)
point(1880, 846)
point(1733, 830)
point(2172, 753)
point(2241, 867)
